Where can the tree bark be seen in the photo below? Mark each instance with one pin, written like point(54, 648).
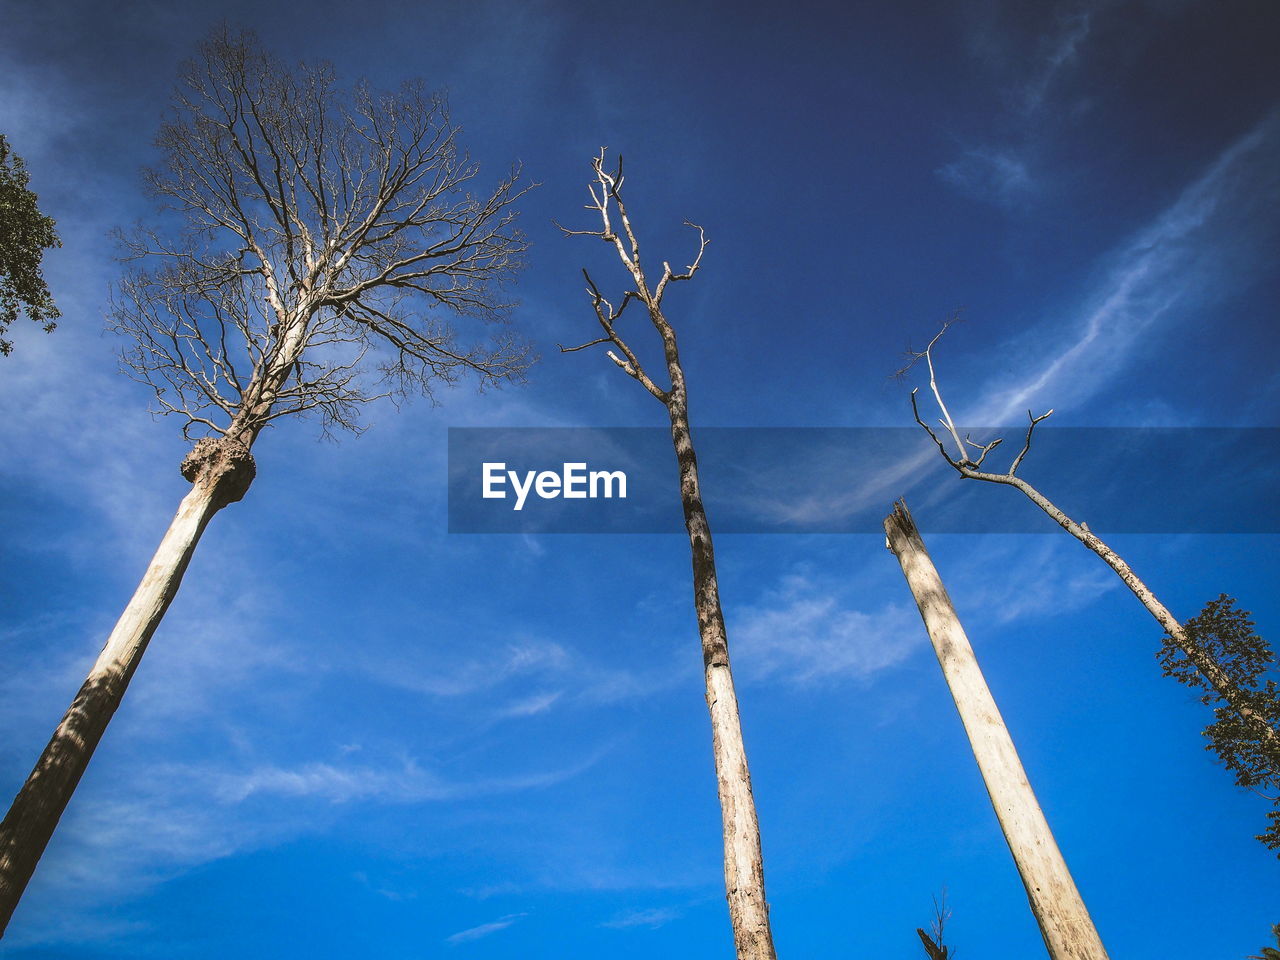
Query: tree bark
point(220, 471)
point(1068, 931)
point(743, 858)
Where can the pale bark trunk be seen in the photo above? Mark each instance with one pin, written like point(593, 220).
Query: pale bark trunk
point(1068, 931)
point(1203, 662)
point(221, 471)
point(743, 859)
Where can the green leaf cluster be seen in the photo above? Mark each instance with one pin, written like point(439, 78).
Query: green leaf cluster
point(25, 233)
point(1227, 635)
point(1270, 953)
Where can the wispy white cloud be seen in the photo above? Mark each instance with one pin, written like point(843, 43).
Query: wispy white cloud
point(652, 918)
point(830, 488)
point(1003, 172)
point(1047, 576)
point(212, 647)
point(521, 677)
point(83, 430)
point(1000, 173)
point(484, 929)
point(809, 629)
point(155, 821)
point(505, 888)
point(42, 926)
point(395, 896)
point(1178, 258)
point(805, 631)
point(531, 706)
point(460, 676)
point(1059, 48)
point(333, 783)
point(1184, 258)
point(406, 782)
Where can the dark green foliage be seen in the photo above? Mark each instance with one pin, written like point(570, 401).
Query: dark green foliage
point(1227, 635)
point(1270, 953)
point(25, 233)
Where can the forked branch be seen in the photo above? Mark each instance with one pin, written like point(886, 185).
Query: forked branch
point(608, 204)
point(965, 464)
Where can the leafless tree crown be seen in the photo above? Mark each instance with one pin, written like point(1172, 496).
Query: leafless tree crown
point(616, 230)
point(970, 454)
point(322, 235)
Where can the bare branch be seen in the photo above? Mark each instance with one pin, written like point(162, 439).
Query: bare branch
point(937, 394)
point(669, 277)
point(915, 410)
point(965, 462)
point(1017, 461)
point(593, 343)
point(606, 316)
point(983, 449)
point(565, 231)
point(607, 203)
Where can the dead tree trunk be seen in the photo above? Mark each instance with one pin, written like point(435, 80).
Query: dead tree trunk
point(1068, 931)
point(220, 471)
point(743, 858)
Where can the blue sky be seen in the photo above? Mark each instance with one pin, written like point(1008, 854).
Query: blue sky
point(356, 735)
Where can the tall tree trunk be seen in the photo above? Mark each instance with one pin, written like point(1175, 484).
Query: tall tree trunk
point(1068, 931)
point(743, 859)
point(220, 471)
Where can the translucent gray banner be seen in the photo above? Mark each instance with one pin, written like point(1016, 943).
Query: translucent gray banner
point(844, 480)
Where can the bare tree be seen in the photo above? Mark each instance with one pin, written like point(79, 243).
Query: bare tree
point(1065, 924)
point(743, 861)
point(328, 235)
point(968, 460)
point(934, 942)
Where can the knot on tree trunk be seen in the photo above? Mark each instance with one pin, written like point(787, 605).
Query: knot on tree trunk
point(222, 465)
